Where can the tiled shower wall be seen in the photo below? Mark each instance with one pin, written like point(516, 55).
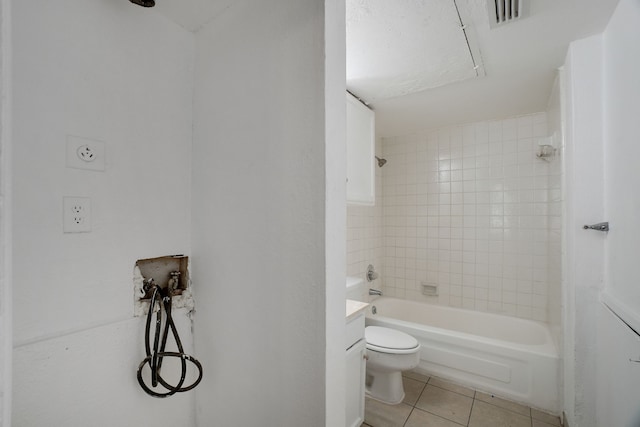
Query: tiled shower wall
point(466, 208)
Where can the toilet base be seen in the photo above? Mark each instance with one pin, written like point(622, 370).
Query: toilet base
point(387, 387)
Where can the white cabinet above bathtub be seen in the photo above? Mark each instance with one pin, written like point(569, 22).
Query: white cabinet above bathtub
point(360, 153)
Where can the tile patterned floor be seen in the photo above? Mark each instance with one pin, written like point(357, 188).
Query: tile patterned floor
point(433, 402)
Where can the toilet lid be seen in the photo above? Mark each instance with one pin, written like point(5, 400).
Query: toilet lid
point(388, 339)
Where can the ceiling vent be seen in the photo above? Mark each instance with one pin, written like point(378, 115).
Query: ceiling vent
point(504, 11)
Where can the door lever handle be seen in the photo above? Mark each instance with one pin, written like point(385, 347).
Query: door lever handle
point(601, 226)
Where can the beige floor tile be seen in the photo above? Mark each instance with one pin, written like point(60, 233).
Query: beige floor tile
point(547, 418)
point(445, 403)
point(378, 414)
point(487, 415)
point(447, 385)
point(416, 376)
point(412, 390)
point(506, 404)
point(420, 418)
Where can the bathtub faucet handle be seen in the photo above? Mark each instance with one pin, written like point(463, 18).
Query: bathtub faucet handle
point(371, 273)
point(375, 292)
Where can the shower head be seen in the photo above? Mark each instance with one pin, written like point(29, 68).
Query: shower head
point(144, 3)
point(381, 162)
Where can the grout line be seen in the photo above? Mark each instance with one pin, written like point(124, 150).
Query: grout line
point(436, 415)
point(424, 387)
point(459, 394)
point(472, 405)
point(531, 419)
point(506, 409)
point(408, 416)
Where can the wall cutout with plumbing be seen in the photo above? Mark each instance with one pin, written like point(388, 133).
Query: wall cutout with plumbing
point(163, 272)
point(160, 286)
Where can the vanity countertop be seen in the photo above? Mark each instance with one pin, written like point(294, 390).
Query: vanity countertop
point(354, 308)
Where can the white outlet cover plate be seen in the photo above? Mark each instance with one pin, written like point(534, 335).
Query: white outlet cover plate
point(85, 153)
point(76, 214)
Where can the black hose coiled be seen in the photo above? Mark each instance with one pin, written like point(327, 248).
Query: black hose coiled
point(155, 356)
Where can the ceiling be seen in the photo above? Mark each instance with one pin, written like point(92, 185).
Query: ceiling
point(192, 14)
point(399, 47)
point(519, 60)
point(410, 60)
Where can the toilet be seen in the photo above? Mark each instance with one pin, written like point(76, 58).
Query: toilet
point(389, 352)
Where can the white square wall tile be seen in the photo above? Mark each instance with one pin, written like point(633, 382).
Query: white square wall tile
point(478, 183)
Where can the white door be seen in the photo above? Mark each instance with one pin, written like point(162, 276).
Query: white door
point(621, 108)
point(603, 184)
point(618, 362)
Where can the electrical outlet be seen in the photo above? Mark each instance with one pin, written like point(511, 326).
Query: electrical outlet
point(85, 153)
point(76, 217)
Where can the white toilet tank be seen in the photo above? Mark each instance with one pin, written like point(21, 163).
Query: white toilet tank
point(357, 289)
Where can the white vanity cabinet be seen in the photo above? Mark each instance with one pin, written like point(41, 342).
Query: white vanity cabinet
point(360, 153)
point(355, 369)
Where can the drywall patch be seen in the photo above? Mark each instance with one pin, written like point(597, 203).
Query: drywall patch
point(160, 269)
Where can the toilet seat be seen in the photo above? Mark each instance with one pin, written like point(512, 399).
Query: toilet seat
point(386, 340)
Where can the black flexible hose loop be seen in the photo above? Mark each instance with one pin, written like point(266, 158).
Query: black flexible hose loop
point(157, 354)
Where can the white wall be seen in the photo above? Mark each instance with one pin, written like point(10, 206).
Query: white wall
point(335, 209)
point(6, 306)
point(584, 260)
point(121, 74)
point(554, 205)
point(89, 377)
point(259, 215)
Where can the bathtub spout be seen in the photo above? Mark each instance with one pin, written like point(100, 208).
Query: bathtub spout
point(375, 292)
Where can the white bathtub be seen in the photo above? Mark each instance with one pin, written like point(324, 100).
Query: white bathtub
point(509, 357)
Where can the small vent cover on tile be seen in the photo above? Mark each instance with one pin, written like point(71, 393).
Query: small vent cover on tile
point(504, 11)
